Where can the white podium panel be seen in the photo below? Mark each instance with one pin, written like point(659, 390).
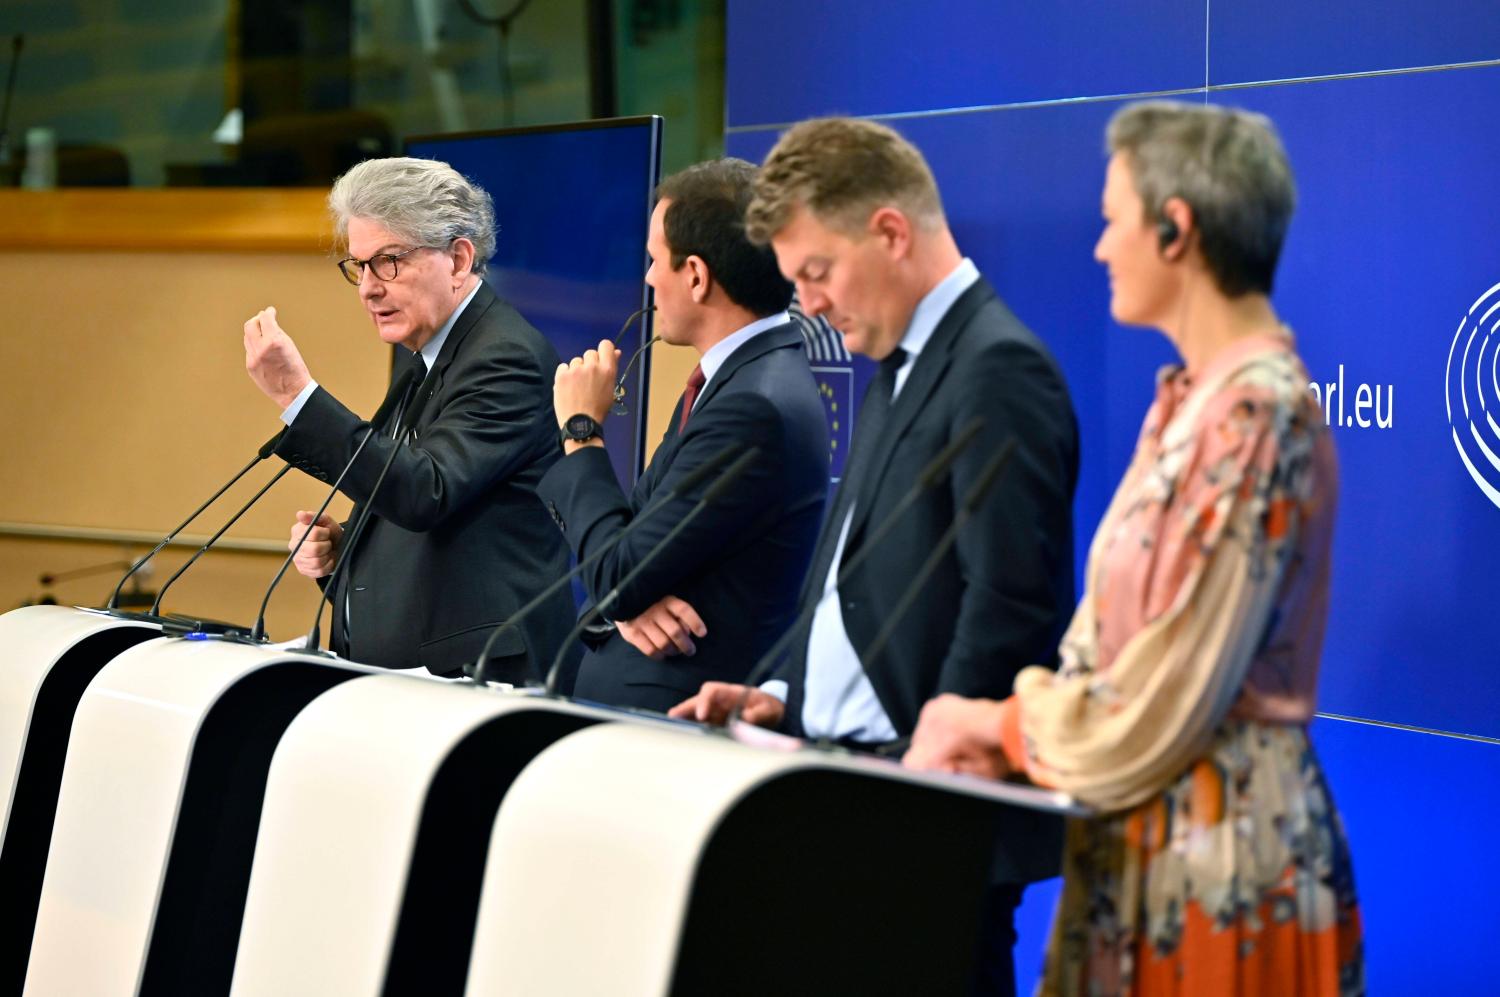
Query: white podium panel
point(373, 836)
point(156, 814)
point(633, 860)
point(48, 655)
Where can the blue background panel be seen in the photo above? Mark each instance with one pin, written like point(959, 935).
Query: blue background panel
point(576, 282)
point(860, 58)
point(1256, 40)
point(1420, 811)
point(1393, 240)
point(1021, 190)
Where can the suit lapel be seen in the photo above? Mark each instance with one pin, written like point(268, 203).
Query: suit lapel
point(926, 374)
point(484, 299)
point(781, 337)
point(778, 338)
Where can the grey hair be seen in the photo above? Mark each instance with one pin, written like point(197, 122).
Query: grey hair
point(422, 201)
point(1230, 168)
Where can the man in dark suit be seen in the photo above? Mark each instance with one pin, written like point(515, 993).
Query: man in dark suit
point(714, 599)
point(457, 540)
point(855, 218)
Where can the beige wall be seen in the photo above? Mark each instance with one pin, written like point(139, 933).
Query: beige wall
point(126, 400)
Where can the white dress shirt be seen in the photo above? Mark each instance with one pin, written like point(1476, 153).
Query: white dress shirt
point(839, 700)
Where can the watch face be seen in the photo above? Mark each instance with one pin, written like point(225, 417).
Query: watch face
point(581, 427)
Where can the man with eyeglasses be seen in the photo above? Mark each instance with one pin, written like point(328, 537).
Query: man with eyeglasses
point(457, 540)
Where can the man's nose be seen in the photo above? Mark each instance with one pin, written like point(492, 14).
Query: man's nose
point(813, 303)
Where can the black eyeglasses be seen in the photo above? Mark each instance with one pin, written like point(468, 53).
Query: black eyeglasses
point(384, 265)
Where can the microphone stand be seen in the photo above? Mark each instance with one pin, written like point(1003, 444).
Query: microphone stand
point(929, 476)
point(717, 489)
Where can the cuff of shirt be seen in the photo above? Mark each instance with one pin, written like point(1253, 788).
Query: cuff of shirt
point(1011, 740)
point(775, 687)
point(298, 402)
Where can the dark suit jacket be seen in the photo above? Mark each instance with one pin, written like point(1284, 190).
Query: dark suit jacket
point(1001, 600)
point(741, 562)
point(458, 541)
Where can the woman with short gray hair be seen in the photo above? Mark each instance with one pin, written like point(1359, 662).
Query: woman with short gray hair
point(1218, 864)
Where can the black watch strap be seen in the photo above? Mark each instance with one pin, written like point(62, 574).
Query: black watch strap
point(581, 428)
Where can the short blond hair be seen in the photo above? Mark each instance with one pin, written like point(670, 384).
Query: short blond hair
point(841, 170)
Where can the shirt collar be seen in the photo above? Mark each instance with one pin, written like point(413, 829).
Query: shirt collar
point(931, 309)
point(713, 358)
point(434, 346)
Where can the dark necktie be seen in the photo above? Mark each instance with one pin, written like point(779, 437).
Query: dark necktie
point(695, 383)
point(419, 371)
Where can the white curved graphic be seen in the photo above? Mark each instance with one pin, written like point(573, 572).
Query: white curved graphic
point(1476, 429)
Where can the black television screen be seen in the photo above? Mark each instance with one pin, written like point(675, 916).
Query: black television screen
point(572, 205)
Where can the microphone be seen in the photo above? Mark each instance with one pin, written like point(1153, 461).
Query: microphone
point(266, 449)
point(156, 606)
point(346, 556)
point(16, 43)
point(972, 500)
point(688, 484)
point(929, 476)
point(399, 391)
point(718, 488)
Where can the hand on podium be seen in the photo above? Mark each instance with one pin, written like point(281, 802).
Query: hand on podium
point(960, 735)
point(664, 630)
point(716, 700)
point(319, 554)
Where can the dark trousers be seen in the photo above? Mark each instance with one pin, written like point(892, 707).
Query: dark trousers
point(994, 963)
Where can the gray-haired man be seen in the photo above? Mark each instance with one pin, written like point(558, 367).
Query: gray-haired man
point(458, 539)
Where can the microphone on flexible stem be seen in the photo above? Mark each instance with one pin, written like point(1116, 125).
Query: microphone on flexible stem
point(966, 510)
point(927, 478)
point(710, 496)
point(156, 606)
point(16, 43)
point(688, 484)
point(257, 633)
point(619, 404)
point(413, 411)
point(266, 449)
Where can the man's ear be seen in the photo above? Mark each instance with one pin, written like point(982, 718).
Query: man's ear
point(700, 279)
point(462, 255)
point(892, 228)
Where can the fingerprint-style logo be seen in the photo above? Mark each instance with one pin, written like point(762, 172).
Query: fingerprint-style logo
point(1473, 392)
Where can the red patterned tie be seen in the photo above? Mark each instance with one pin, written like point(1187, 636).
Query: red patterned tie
point(690, 395)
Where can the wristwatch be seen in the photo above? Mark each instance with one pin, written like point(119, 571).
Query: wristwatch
point(581, 428)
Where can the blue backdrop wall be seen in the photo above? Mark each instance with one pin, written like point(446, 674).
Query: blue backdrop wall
point(1390, 279)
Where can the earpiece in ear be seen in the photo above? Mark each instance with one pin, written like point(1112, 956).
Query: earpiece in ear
point(1166, 232)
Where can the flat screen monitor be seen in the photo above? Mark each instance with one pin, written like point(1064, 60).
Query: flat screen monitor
point(572, 204)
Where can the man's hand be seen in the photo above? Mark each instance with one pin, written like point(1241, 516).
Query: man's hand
point(665, 630)
point(272, 359)
point(318, 554)
point(716, 699)
point(955, 734)
point(586, 385)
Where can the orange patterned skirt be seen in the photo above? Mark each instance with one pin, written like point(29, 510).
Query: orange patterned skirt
point(1235, 880)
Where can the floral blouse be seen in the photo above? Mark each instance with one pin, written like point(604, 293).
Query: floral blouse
point(1207, 585)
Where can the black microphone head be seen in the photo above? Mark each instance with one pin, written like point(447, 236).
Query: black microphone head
point(269, 447)
point(945, 457)
point(425, 391)
point(731, 475)
point(987, 476)
point(704, 471)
